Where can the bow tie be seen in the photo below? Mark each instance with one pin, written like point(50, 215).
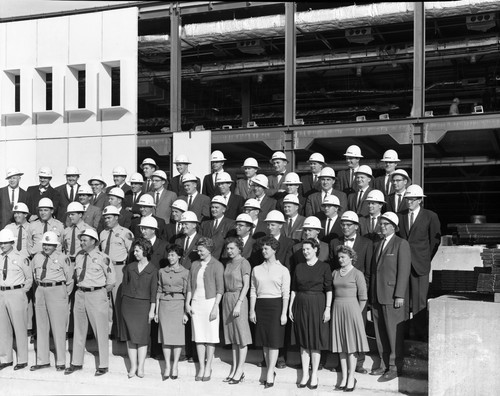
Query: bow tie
point(349, 239)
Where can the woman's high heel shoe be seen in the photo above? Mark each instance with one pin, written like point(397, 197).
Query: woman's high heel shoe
point(313, 387)
point(351, 389)
point(234, 381)
point(227, 379)
point(270, 384)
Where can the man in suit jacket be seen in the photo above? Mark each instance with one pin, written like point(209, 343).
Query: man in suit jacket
point(346, 179)
point(146, 207)
point(190, 237)
point(314, 201)
point(174, 228)
point(294, 222)
point(266, 204)
point(276, 186)
point(197, 203)
point(42, 190)
point(369, 225)
point(100, 198)
point(68, 192)
point(148, 227)
point(395, 201)
point(234, 203)
point(119, 177)
point(422, 229)
point(330, 219)
point(244, 186)
point(148, 166)
point(310, 182)
point(182, 163)
point(133, 195)
point(115, 198)
point(275, 222)
point(390, 273)
point(217, 160)
point(292, 185)
point(357, 202)
point(312, 228)
point(243, 228)
point(259, 228)
point(92, 214)
point(10, 195)
point(163, 198)
point(383, 183)
point(219, 228)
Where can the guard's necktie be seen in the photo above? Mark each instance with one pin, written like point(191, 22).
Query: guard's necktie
point(72, 194)
point(108, 242)
point(45, 227)
point(412, 219)
point(84, 268)
point(5, 268)
point(73, 242)
point(44, 267)
point(328, 226)
point(190, 201)
point(19, 245)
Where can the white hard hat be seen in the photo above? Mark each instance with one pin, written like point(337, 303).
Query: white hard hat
point(148, 221)
point(217, 156)
point(189, 177)
point(331, 199)
point(312, 222)
point(292, 178)
point(20, 207)
point(353, 151)
point(244, 218)
point(327, 172)
point(223, 177)
point(189, 217)
point(149, 161)
point(45, 171)
point(180, 205)
point(400, 172)
point(414, 191)
point(349, 215)
point(252, 203)
point(90, 233)
point(219, 199)
point(291, 198)
point(375, 196)
point(146, 200)
point(117, 192)
point(182, 159)
point(161, 174)
point(278, 155)
point(390, 156)
point(119, 171)
point(13, 172)
point(72, 170)
point(111, 210)
point(84, 189)
point(261, 180)
point(251, 163)
point(50, 238)
point(136, 178)
point(275, 216)
point(97, 178)
point(365, 169)
point(75, 207)
point(6, 236)
point(316, 157)
point(45, 203)
point(392, 217)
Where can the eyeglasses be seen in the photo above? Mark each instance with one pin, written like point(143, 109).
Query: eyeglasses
point(384, 224)
point(397, 180)
point(346, 224)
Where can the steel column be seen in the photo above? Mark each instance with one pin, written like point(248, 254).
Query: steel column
point(290, 76)
point(175, 70)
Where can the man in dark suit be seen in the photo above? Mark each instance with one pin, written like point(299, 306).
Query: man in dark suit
point(422, 229)
point(395, 201)
point(10, 195)
point(115, 198)
point(174, 228)
point(244, 186)
point(42, 190)
point(293, 227)
point(92, 214)
point(279, 163)
point(292, 186)
point(390, 273)
point(148, 166)
point(346, 180)
point(133, 195)
point(146, 207)
point(383, 183)
point(234, 203)
point(252, 208)
point(197, 203)
point(217, 160)
point(266, 203)
point(163, 198)
point(330, 219)
point(243, 228)
point(182, 164)
point(313, 203)
point(369, 225)
point(310, 182)
point(357, 202)
point(68, 192)
point(100, 198)
point(119, 176)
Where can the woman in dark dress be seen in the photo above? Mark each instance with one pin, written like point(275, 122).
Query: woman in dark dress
point(310, 305)
point(140, 280)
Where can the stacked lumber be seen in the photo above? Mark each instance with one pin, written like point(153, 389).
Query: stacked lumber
point(475, 233)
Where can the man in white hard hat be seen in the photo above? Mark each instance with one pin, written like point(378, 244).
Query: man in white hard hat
point(174, 228)
point(243, 227)
point(310, 181)
point(314, 201)
point(279, 162)
point(217, 160)
point(181, 163)
point(15, 281)
point(396, 201)
point(190, 229)
point(369, 225)
point(422, 229)
point(99, 197)
point(119, 179)
point(45, 222)
point(10, 195)
point(357, 201)
point(71, 243)
point(146, 208)
point(148, 167)
point(42, 190)
point(244, 186)
point(162, 197)
point(346, 179)
point(91, 213)
point(260, 186)
point(219, 227)
point(390, 274)
point(294, 221)
point(390, 159)
point(20, 227)
point(116, 197)
point(133, 195)
point(252, 208)
point(148, 227)
point(330, 221)
point(234, 203)
point(68, 192)
point(197, 202)
point(293, 186)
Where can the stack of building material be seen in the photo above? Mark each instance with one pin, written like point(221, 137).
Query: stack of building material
point(475, 233)
point(490, 283)
point(455, 280)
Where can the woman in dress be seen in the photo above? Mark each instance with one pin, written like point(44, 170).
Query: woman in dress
point(170, 297)
point(349, 336)
point(140, 280)
point(310, 305)
point(235, 308)
point(269, 295)
point(204, 293)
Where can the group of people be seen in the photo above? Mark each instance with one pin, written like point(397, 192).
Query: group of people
point(272, 261)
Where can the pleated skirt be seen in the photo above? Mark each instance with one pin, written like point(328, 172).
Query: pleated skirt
point(348, 330)
point(309, 330)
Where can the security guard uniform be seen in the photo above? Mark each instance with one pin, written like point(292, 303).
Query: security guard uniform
point(21, 232)
point(36, 231)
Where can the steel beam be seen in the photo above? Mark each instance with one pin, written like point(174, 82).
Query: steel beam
point(290, 61)
point(175, 70)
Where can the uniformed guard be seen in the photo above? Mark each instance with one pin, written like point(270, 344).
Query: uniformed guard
point(44, 223)
point(95, 277)
point(20, 227)
point(53, 275)
point(15, 281)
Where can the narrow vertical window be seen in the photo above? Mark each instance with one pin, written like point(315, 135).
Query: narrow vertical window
point(115, 86)
point(81, 89)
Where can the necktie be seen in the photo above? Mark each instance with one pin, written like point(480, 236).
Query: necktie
point(46, 224)
point(372, 225)
point(178, 228)
point(20, 239)
point(108, 242)
point(349, 242)
point(324, 196)
point(388, 185)
point(4, 271)
point(215, 226)
point(328, 226)
point(135, 198)
point(399, 202)
point(157, 198)
point(84, 268)
point(148, 185)
point(73, 242)
point(382, 246)
point(44, 268)
point(215, 178)
point(351, 177)
point(360, 195)
point(190, 201)
point(412, 219)
point(72, 195)
point(289, 231)
point(315, 178)
point(13, 202)
point(94, 198)
point(186, 244)
point(280, 175)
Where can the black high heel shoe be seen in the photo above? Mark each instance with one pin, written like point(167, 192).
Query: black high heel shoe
point(227, 379)
point(234, 381)
point(313, 387)
point(351, 389)
point(270, 384)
